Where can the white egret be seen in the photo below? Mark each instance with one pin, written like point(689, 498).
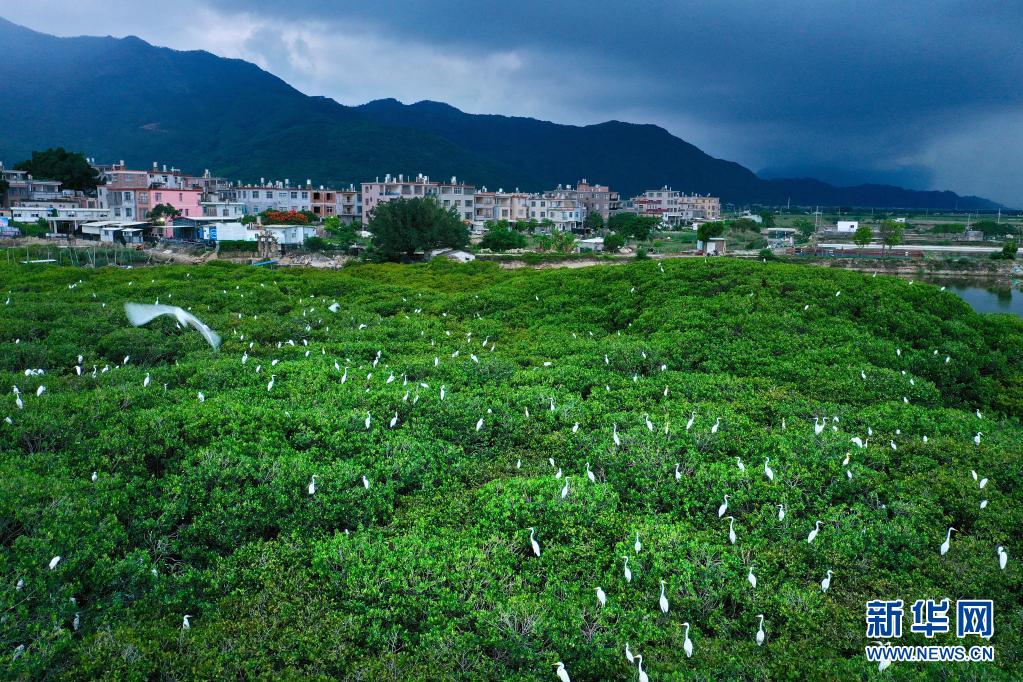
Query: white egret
point(575, 427)
point(983, 504)
point(724, 507)
point(678, 474)
point(643, 677)
point(589, 474)
point(767, 469)
point(1003, 558)
point(717, 425)
point(394, 419)
point(649, 424)
point(976, 439)
point(140, 314)
point(627, 571)
point(818, 426)
point(479, 424)
point(54, 561)
point(614, 435)
point(885, 661)
point(760, 630)
point(948, 540)
point(982, 483)
point(368, 420)
point(442, 391)
point(857, 441)
point(738, 462)
point(731, 529)
point(533, 542)
point(826, 583)
point(95, 476)
point(21, 583)
point(270, 384)
point(751, 578)
point(692, 419)
point(687, 645)
point(601, 597)
point(628, 654)
point(638, 545)
point(781, 512)
point(365, 482)
point(145, 382)
point(558, 473)
point(813, 533)
point(312, 485)
point(564, 489)
point(185, 625)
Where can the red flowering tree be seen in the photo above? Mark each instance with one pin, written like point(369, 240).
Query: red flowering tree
point(271, 217)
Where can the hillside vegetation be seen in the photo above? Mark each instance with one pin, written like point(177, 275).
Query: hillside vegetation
point(413, 558)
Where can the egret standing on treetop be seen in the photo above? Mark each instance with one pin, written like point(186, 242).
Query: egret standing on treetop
point(731, 529)
point(663, 601)
point(717, 424)
point(614, 435)
point(312, 485)
point(601, 597)
point(767, 469)
point(826, 583)
point(589, 474)
point(692, 419)
point(564, 489)
point(533, 542)
point(813, 533)
point(751, 578)
point(1003, 558)
point(638, 546)
point(781, 512)
point(760, 630)
point(627, 572)
point(948, 539)
point(724, 507)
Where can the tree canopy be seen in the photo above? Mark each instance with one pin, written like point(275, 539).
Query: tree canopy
point(593, 221)
point(501, 236)
point(70, 168)
point(631, 225)
point(707, 230)
point(863, 236)
point(404, 226)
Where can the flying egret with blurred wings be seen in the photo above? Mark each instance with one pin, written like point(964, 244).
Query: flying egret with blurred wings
point(140, 314)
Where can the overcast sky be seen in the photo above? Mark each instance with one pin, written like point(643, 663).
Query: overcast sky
point(925, 94)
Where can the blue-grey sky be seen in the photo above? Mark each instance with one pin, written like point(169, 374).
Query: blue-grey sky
point(920, 93)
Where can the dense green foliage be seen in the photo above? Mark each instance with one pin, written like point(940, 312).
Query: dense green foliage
point(202, 508)
point(593, 221)
point(613, 241)
point(863, 236)
point(70, 168)
point(709, 230)
point(402, 227)
point(633, 226)
point(501, 236)
point(163, 212)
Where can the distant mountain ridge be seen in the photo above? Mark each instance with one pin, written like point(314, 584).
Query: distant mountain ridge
point(122, 98)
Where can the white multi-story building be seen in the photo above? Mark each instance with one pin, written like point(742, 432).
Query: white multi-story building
point(459, 196)
point(377, 192)
point(566, 213)
point(278, 196)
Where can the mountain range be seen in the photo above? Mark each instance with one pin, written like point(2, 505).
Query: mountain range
point(124, 99)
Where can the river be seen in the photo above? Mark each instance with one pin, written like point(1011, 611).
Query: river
point(984, 297)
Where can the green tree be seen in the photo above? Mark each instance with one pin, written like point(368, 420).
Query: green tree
point(863, 236)
point(593, 221)
point(501, 237)
point(332, 224)
point(613, 241)
point(892, 233)
point(990, 228)
point(619, 223)
point(247, 219)
point(161, 212)
point(1009, 250)
point(403, 226)
point(70, 168)
point(767, 218)
point(708, 230)
point(315, 243)
point(805, 227)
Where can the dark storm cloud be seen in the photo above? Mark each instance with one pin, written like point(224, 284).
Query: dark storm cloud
point(922, 93)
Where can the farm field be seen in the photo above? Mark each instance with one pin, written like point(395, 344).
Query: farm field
point(452, 415)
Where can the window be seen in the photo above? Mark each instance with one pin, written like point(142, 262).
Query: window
point(294, 195)
point(159, 197)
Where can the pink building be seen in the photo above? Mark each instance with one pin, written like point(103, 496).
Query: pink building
point(377, 192)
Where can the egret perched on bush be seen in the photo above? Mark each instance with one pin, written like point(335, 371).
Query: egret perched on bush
point(140, 314)
point(717, 425)
point(781, 512)
point(813, 533)
point(627, 571)
point(638, 545)
point(724, 507)
point(185, 625)
point(561, 672)
point(826, 583)
point(365, 482)
point(738, 462)
point(589, 474)
point(312, 485)
point(663, 600)
point(1003, 558)
point(678, 474)
point(692, 420)
point(564, 489)
point(270, 384)
point(948, 541)
point(533, 542)
point(767, 469)
point(751, 578)
point(760, 630)
point(394, 420)
point(54, 561)
point(601, 597)
point(614, 435)
point(731, 529)
point(368, 421)
point(628, 654)
point(643, 677)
